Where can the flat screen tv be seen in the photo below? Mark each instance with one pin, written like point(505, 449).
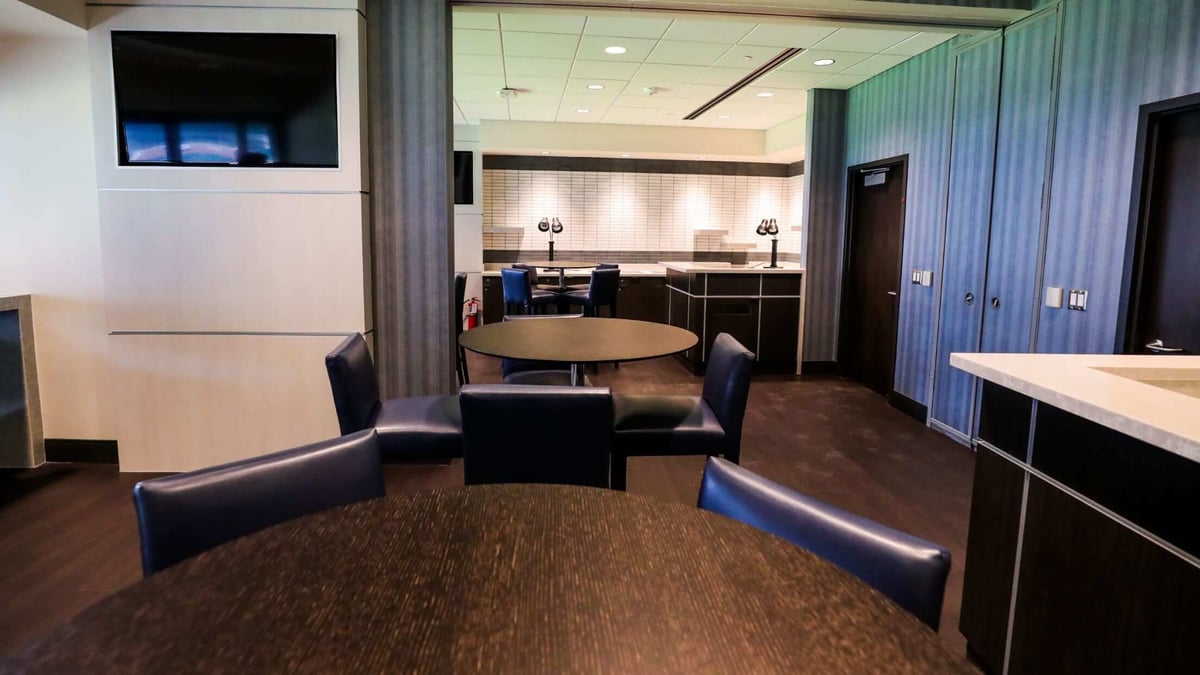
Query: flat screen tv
point(225, 99)
point(464, 177)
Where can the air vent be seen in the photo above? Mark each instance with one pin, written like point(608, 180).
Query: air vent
point(779, 59)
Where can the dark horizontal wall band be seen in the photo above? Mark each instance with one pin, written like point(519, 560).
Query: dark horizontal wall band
point(621, 165)
point(497, 255)
point(908, 406)
point(81, 451)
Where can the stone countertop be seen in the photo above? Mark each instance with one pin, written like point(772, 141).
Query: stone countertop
point(728, 268)
point(1155, 399)
point(627, 270)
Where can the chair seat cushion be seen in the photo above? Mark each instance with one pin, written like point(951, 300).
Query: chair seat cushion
point(649, 424)
point(561, 378)
point(578, 296)
point(540, 296)
point(420, 427)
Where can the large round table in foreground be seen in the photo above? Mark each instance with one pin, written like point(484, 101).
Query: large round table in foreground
point(578, 341)
point(498, 579)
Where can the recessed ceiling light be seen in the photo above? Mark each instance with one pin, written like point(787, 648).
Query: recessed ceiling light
point(615, 49)
point(545, 152)
point(595, 87)
point(582, 110)
point(624, 154)
point(824, 62)
point(765, 94)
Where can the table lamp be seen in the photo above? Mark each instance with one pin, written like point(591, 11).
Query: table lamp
point(553, 226)
point(770, 227)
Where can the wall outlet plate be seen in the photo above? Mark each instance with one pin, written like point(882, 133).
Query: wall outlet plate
point(926, 277)
point(1077, 299)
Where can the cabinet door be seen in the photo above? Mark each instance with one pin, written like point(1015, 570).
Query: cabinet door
point(493, 300)
point(976, 90)
point(1022, 138)
point(736, 316)
point(684, 312)
point(779, 330)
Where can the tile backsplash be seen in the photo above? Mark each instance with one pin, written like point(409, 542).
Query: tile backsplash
point(616, 211)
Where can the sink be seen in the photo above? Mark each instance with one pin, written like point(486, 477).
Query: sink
point(1184, 381)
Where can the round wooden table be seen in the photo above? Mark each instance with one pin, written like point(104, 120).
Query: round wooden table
point(578, 341)
point(498, 579)
point(562, 266)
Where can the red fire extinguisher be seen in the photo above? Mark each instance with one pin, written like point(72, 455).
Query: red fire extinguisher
point(472, 306)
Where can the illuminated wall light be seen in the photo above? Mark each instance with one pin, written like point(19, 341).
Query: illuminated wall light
point(615, 49)
point(765, 94)
point(824, 62)
point(595, 87)
point(582, 110)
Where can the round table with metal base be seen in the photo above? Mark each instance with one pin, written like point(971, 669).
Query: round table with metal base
point(498, 579)
point(578, 341)
point(562, 266)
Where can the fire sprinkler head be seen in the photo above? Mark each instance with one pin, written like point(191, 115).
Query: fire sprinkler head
point(650, 91)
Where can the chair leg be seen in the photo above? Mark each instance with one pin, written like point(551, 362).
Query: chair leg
point(464, 376)
point(618, 472)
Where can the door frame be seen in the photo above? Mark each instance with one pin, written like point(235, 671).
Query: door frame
point(847, 225)
point(1150, 116)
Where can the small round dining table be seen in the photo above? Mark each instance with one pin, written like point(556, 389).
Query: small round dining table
point(578, 341)
point(562, 266)
point(498, 579)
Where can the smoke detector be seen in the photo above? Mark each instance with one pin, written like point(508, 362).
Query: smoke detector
point(650, 91)
point(507, 93)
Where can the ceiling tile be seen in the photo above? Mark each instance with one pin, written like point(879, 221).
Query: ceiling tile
point(782, 79)
point(716, 30)
point(624, 25)
point(580, 86)
point(458, 116)
point(752, 92)
point(568, 113)
point(662, 90)
point(549, 100)
point(522, 66)
point(842, 60)
point(722, 77)
point(567, 23)
point(463, 18)
point(478, 64)
point(667, 117)
point(627, 115)
point(540, 45)
point(735, 108)
point(787, 35)
point(612, 70)
point(919, 43)
point(532, 84)
point(681, 105)
point(796, 96)
point(476, 41)
point(639, 100)
point(466, 82)
point(863, 40)
point(842, 81)
point(687, 53)
point(485, 111)
point(591, 47)
point(667, 73)
point(875, 65)
point(736, 57)
point(702, 92)
point(466, 96)
point(533, 113)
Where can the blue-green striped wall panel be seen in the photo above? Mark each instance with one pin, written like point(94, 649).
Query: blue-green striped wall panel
point(906, 111)
point(1117, 55)
point(824, 204)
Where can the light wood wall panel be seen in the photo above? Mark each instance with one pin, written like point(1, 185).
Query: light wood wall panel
point(412, 210)
point(191, 401)
point(250, 262)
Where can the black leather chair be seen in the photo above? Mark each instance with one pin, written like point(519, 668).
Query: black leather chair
point(520, 371)
point(907, 569)
point(652, 425)
point(416, 427)
point(523, 434)
point(584, 287)
point(602, 290)
point(186, 514)
point(460, 298)
point(533, 278)
point(519, 292)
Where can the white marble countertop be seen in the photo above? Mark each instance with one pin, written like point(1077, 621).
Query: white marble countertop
point(727, 268)
point(1152, 398)
point(627, 270)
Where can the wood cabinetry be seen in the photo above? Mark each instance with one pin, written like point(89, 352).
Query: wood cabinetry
point(643, 298)
point(1083, 555)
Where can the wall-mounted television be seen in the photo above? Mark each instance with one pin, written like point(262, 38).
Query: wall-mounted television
point(464, 177)
point(225, 99)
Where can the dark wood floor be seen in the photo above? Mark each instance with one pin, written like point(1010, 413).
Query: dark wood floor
point(68, 535)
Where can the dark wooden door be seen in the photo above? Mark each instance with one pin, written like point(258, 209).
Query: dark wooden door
point(1166, 307)
point(871, 286)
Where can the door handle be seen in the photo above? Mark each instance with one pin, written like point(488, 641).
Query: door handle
point(892, 293)
point(995, 303)
point(969, 298)
point(1158, 346)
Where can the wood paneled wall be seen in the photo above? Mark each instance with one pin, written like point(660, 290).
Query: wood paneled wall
point(411, 133)
point(823, 220)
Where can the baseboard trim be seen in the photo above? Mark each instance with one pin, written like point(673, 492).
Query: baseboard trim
point(81, 451)
point(818, 368)
point(908, 406)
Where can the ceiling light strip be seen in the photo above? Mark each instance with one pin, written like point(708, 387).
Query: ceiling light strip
point(779, 59)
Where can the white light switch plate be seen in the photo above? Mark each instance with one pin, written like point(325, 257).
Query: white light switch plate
point(926, 277)
point(1054, 297)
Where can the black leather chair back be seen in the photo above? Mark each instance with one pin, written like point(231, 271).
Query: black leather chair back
point(909, 570)
point(608, 266)
point(536, 434)
point(354, 383)
point(530, 270)
point(604, 285)
point(460, 297)
point(510, 366)
point(727, 387)
point(518, 290)
point(186, 514)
